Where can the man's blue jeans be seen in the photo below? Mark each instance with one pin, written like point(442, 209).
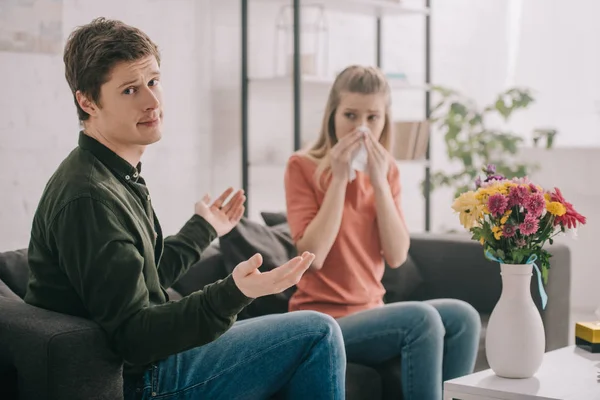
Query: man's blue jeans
point(297, 355)
point(436, 340)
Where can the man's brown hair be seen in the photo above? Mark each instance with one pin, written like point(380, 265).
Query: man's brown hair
point(92, 51)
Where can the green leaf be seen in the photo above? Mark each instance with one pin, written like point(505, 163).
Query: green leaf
point(545, 274)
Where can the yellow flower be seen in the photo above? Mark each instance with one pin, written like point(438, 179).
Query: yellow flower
point(556, 208)
point(469, 209)
point(497, 230)
point(505, 217)
point(547, 197)
point(482, 241)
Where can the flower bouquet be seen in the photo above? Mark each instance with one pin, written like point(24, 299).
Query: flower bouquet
point(513, 219)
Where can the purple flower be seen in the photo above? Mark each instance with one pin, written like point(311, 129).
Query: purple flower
point(477, 183)
point(497, 204)
point(495, 178)
point(529, 226)
point(520, 242)
point(490, 169)
point(535, 204)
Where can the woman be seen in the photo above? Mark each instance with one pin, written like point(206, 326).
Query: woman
point(353, 221)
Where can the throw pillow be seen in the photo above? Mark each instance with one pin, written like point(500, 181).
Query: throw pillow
point(275, 246)
point(14, 270)
point(206, 271)
point(274, 218)
point(401, 282)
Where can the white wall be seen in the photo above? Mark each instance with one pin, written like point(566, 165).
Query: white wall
point(38, 121)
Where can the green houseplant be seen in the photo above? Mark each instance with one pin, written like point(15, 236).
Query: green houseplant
point(473, 142)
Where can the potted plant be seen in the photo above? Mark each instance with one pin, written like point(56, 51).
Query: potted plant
point(472, 141)
point(513, 219)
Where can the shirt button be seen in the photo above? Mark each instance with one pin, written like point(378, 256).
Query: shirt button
point(135, 174)
point(127, 177)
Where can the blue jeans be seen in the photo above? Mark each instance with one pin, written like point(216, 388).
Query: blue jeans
point(436, 340)
point(297, 355)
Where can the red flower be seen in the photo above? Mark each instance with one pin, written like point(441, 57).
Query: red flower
point(529, 226)
point(509, 230)
point(497, 204)
point(535, 204)
point(571, 217)
point(517, 195)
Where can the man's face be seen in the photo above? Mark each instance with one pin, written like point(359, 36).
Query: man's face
point(130, 111)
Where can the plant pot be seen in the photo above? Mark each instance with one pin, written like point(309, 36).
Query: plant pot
point(515, 341)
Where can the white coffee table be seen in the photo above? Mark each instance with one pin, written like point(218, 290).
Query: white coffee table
point(569, 373)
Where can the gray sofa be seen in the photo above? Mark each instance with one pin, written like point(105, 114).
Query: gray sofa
point(46, 355)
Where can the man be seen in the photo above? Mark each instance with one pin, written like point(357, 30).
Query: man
point(97, 251)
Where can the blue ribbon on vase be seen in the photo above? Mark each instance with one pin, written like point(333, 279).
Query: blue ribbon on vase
point(530, 260)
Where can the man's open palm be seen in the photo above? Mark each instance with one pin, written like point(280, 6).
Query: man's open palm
point(253, 283)
point(223, 216)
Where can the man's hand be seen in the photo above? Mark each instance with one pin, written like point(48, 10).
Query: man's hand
point(253, 283)
point(222, 216)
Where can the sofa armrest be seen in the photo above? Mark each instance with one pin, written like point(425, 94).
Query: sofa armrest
point(58, 356)
point(453, 266)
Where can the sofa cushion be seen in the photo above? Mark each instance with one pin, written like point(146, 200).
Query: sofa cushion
point(401, 282)
point(362, 382)
point(206, 271)
point(275, 246)
point(14, 270)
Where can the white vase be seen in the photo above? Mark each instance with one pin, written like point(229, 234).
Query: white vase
point(515, 341)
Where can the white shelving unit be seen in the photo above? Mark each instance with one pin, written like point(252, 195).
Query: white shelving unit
point(301, 84)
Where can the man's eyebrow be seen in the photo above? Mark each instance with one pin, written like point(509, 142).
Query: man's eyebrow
point(128, 83)
point(154, 72)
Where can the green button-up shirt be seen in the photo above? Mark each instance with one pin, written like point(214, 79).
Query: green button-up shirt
point(97, 251)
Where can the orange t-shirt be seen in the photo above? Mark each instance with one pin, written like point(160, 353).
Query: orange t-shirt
point(350, 279)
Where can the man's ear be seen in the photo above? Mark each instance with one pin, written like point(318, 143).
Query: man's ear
point(86, 104)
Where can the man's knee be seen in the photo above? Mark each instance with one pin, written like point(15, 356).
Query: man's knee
point(316, 321)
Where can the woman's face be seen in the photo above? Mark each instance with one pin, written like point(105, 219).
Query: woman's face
point(360, 110)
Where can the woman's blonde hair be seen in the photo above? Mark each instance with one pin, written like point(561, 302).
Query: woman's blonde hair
point(353, 79)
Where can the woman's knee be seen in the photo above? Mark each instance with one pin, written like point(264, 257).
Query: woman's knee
point(429, 320)
point(458, 314)
point(417, 319)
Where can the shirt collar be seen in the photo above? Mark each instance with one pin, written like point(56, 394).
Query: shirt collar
point(109, 158)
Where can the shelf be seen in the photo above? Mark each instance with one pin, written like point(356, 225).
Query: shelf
point(395, 84)
point(380, 8)
point(422, 163)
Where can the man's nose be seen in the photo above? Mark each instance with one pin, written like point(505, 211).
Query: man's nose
point(151, 101)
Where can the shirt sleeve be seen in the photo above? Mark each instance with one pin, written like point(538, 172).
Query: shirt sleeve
point(101, 260)
point(300, 196)
point(184, 249)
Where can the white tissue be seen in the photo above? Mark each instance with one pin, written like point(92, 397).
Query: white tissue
point(359, 161)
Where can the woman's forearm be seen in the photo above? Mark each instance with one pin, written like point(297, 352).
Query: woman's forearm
point(320, 234)
point(393, 233)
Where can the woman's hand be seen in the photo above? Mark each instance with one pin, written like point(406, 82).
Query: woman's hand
point(342, 153)
point(378, 162)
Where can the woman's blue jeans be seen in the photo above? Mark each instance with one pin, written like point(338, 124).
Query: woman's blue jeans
point(436, 340)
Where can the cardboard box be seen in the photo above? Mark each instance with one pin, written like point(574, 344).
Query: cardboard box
point(410, 140)
point(587, 336)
